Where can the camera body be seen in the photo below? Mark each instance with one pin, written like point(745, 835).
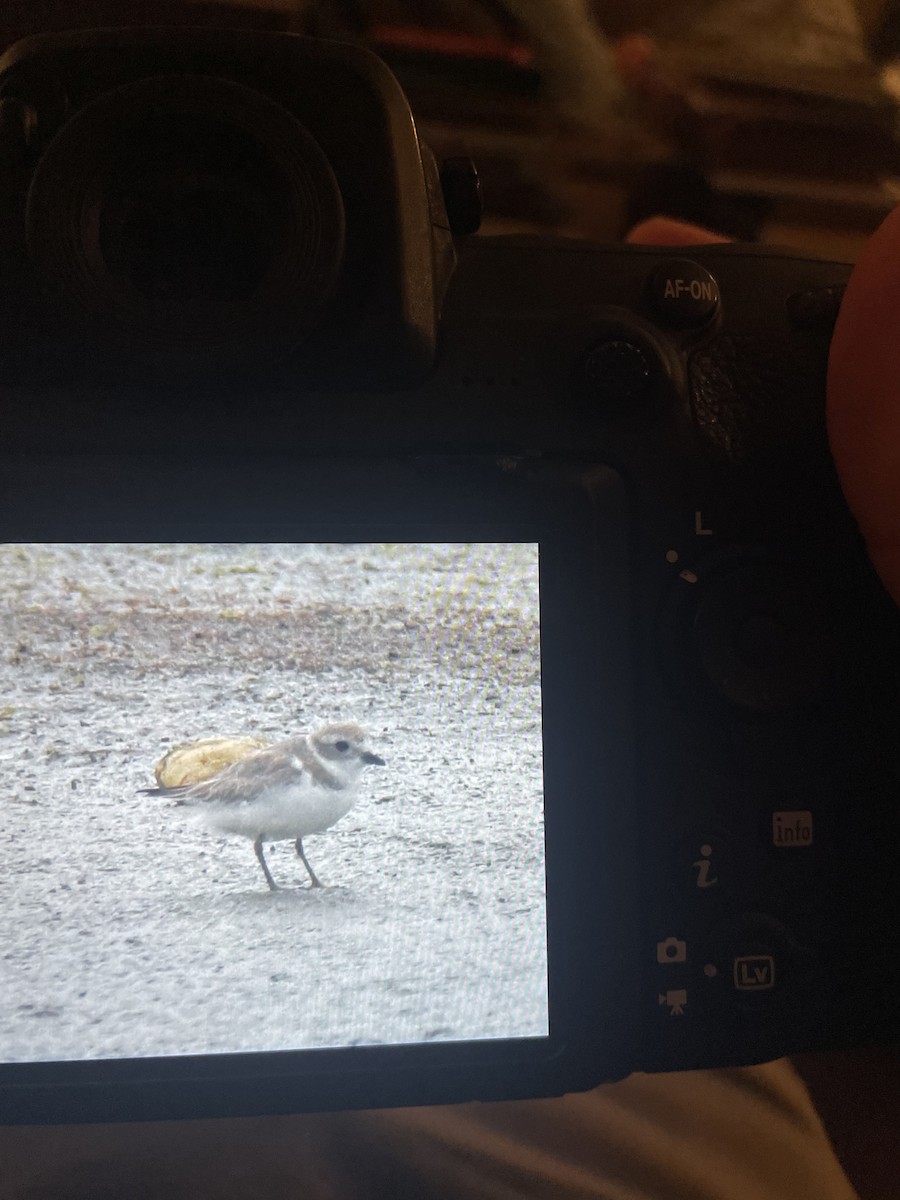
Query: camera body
point(718, 662)
point(201, 185)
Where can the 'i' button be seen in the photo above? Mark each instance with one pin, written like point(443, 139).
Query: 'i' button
point(683, 293)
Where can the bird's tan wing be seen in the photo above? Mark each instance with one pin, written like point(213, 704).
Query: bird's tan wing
point(193, 762)
point(277, 766)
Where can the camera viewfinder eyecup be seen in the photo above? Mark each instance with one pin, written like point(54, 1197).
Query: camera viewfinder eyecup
point(187, 220)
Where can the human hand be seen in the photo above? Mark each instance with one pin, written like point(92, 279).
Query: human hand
point(863, 403)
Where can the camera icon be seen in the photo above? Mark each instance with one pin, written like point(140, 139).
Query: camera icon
point(672, 950)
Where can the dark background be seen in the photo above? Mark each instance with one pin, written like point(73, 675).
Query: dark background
point(794, 144)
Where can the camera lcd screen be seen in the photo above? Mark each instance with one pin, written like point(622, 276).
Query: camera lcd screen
point(135, 924)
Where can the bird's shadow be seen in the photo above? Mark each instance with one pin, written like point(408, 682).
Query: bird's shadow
point(261, 900)
point(284, 896)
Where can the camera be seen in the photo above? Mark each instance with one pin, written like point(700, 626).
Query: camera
point(556, 524)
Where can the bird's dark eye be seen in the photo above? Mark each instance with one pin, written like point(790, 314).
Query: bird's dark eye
point(342, 746)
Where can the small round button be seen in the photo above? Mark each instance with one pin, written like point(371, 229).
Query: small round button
point(761, 638)
point(816, 308)
point(761, 641)
point(683, 293)
point(759, 957)
point(618, 372)
point(462, 195)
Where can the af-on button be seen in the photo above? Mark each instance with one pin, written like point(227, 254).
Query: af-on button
point(683, 293)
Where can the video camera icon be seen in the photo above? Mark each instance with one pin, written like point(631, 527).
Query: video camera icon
point(676, 999)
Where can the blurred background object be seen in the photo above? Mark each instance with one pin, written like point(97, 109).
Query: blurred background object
point(770, 120)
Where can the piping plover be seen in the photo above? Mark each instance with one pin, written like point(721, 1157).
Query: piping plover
point(293, 788)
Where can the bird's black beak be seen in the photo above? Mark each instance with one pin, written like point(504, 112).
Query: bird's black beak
point(372, 760)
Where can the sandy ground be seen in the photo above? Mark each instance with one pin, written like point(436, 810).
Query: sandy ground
point(130, 929)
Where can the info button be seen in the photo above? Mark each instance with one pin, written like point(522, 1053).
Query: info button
point(683, 293)
point(792, 829)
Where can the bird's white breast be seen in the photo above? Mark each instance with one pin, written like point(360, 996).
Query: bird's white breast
point(290, 811)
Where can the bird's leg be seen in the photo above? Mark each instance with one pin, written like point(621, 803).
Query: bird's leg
point(299, 846)
point(258, 847)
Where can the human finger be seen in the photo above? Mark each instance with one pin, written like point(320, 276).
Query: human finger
point(863, 404)
point(664, 231)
